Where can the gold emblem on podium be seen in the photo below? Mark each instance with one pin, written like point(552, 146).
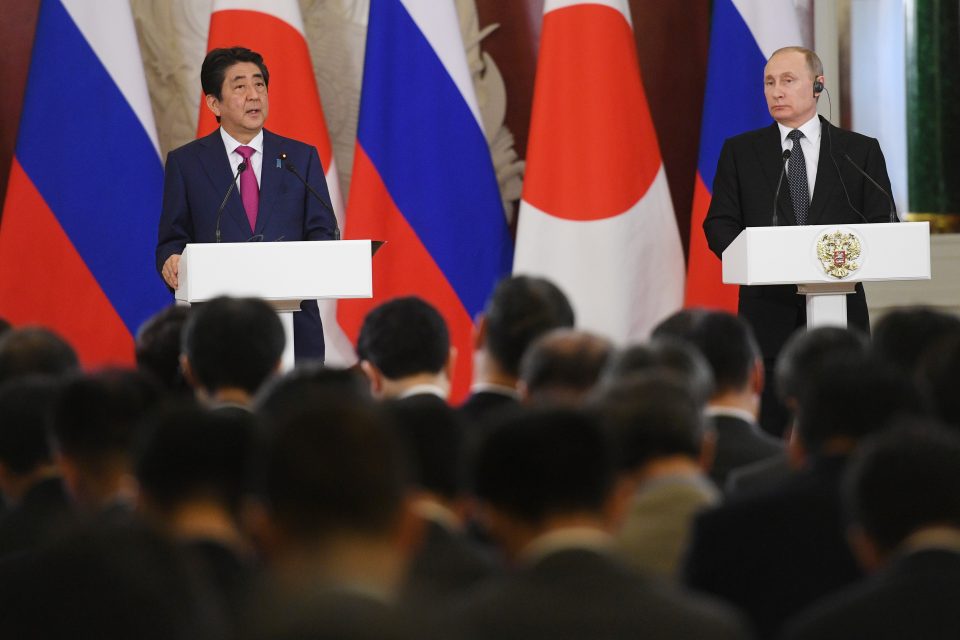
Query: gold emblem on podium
point(839, 253)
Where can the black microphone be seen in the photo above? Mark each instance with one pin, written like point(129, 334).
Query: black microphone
point(289, 165)
point(233, 185)
point(776, 194)
point(893, 207)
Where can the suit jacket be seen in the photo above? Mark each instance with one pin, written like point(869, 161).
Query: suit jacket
point(915, 597)
point(44, 510)
point(739, 443)
point(743, 190)
point(580, 593)
point(774, 553)
point(198, 175)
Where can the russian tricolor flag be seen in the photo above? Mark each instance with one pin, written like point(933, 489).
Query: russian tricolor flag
point(743, 35)
point(423, 178)
point(80, 219)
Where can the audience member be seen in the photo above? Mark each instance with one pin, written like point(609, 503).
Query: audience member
point(902, 336)
point(667, 355)
point(286, 394)
point(562, 367)
point(35, 350)
point(903, 499)
point(661, 437)
point(546, 481)
point(29, 479)
point(230, 347)
point(775, 552)
point(521, 309)
point(937, 374)
point(4, 326)
point(727, 343)
point(404, 349)
point(157, 348)
point(94, 427)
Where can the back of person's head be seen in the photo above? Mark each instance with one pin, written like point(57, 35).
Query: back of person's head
point(157, 347)
point(805, 351)
point(289, 392)
point(232, 343)
point(851, 396)
point(96, 416)
point(678, 324)
point(902, 336)
point(434, 439)
point(187, 454)
point(651, 416)
point(542, 463)
point(5, 326)
point(35, 350)
point(664, 355)
point(563, 365)
point(725, 340)
point(331, 469)
point(937, 375)
point(521, 309)
point(904, 480)
point(404, 337)
point(26, 411)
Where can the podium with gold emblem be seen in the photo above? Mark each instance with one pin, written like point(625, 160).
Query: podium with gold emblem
point(826, 261)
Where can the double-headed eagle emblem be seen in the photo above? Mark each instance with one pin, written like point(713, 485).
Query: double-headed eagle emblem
point(839, 253)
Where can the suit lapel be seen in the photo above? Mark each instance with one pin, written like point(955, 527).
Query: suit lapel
point(270, 181)
point(217, 167)
point(827, 180)
point(770, 152)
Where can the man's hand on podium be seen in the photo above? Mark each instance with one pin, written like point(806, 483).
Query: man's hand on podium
point(171, 269)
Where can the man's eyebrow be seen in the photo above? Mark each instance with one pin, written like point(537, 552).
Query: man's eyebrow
point(243, 76)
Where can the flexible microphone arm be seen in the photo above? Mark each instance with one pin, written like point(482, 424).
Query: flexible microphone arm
point(289, 166)
point(233, 185)
point(776, 194)
point(893, 207)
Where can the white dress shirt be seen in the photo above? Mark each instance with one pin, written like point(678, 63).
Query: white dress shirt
point(810, 143)
point(256, 160)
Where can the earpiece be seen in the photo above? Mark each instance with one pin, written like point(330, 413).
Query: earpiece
point(817, 86)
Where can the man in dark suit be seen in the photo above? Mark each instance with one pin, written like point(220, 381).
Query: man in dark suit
point(902, 499)
point(821, 186)
point(270, 205)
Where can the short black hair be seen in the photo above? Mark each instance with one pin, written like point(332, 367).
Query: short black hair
point(233, 342)
point(853, 396)
point(214, 68)
point(564, 360)
point(667, 355)
point(903, 336)
point(5, 326)
point(403, 337)
point(35, 350)
point(433, 434)
point(725, 340)
point(651, 416)
point(521, 309)
point(97, 415)
point(186, 452)
point(157, 347)
point(805, 351)
point(937, 375)
point(543, 462)
point(902, 480)
point(334, 467)
point(26, 412)
point(298, 387)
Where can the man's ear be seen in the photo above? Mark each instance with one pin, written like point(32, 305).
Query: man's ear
point(757, 376)
point(374, 375)
point(213, 104)
point(187, 370)
point(865, 550)
point(480, 332)
point(451, 362)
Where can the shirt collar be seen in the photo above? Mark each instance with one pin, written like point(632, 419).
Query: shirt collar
point(811, 130)
point(232, 143)
point(730, 412)
point(491, 387)
point(425, 389)
point(589, 538)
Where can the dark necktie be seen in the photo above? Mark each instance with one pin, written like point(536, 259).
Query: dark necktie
point(797, 175)
point(249, 189)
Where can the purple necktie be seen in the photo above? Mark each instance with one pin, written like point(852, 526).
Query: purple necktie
point(249, 189)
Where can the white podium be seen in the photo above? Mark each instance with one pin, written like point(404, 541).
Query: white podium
point(282, 273)
point(826, 261)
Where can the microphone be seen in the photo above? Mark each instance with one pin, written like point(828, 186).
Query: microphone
point(292, 169)
point(776, 194)
point(233, 185)
point(893, 207)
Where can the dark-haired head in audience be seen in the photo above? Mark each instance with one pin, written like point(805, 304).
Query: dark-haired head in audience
point(35, 350)
point(664, 446)
point(668, 355)
point(230, 347)
point(94, 427)
point(937, 375)
point(304, 384)
point(404, 348)
point(5, 326)
point(521, 309)
point(157, 348)
point(903, 336)
point(563, 366)
point(29, 479)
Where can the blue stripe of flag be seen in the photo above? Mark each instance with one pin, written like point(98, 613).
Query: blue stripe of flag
point(93, 163)
point(733, 101)
point(432, 155)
